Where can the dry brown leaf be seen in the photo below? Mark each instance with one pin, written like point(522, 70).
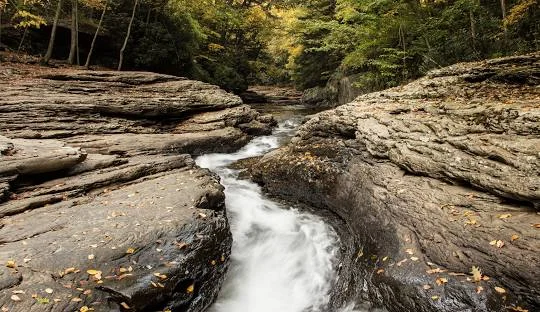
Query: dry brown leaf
point(190, 289)
point(125, 305)
point(409, 251)
point(479, 289)
point(379, 271)
point(130, 250)
point(436, 270)
point(426, 287)
point(441, 281)
point(76, 299)
point(69, 270)
point(518, 309)
point(515, 237)
point(500, 244)
point(504, 216)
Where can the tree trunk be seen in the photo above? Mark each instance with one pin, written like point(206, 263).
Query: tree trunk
point(87, 64)
point(73, 47)
point(127, 36)
point(48, 55)
point(22, 39)
point(473, 29)
point(77, 33)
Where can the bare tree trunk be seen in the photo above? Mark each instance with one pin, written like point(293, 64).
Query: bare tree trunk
point(127, 36)
point(48, 55)
point(87, 64)
point(22, 39)
point(77, 33)
point(473, 29)
point(73, 47)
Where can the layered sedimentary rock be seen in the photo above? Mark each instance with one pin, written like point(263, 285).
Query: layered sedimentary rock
point(432, 178)
point(100, 205)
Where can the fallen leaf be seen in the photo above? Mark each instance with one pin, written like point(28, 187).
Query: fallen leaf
point(11, 264)
point(15, 298)
point(49, 290)
point(515, 237)
point(414, 258)
point(504, 216)
point(441, 281)
point(456, 274)
point(426, 287)
point(125, 305)
point(500, 290)
point(479, 289)
point(76, 299)
point(190, 289)
point(385, 258)
point(536, 225)
point(409, 251)
point(437, 270)
point(93, 272)
point(91, 257)
point(69, 270)
point(202, 215)
point(26, 260)
point(493, 242)
point(435, 297)
point(476, 273)
point(500, 244)
point(518, 309)
point(471, 221)
point(84, 309)
point(19, 292)
point(379, 271)
point(130, 250)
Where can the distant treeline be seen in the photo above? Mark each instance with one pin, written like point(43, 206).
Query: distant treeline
point(234, 43)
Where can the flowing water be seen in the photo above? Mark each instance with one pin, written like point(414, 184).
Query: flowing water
point(283, 259)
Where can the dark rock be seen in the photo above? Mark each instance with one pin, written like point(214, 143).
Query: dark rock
point(94, 175)
point(272, 95)
point(429, 176)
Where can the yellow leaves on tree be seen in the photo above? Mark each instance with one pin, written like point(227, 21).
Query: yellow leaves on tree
point(518, 12)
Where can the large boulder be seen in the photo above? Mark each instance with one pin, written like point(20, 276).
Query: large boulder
point(101, 207)
point(438, 182)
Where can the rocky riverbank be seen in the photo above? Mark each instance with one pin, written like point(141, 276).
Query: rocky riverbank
point(100, 205)
point(438, 183)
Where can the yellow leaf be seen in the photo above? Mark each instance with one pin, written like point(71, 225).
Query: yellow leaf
point(504, 216)
point(93, 272)
point(493, 242)
point(190, 289)
point(477, 274)
point(11, 264)
point(434, 297)
point(518, 309)
point(130, 250)
point(69, 270)
point(500, 290)
point(84, 309)
point(515, 237)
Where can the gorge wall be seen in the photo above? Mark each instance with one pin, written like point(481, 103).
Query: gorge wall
point(438, 182)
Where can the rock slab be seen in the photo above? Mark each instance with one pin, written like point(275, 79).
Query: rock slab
point(101, 205)
point(432, 178)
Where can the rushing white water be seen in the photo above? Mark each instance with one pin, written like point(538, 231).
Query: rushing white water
point(282, 258)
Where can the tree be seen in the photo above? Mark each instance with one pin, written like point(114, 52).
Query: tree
point(87, 64)
point(73, 50)
point(50, 47)
point(122, 50)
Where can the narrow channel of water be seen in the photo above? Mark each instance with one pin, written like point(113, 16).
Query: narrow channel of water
point(283, 259)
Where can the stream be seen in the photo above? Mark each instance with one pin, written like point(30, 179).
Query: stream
point(283, 259)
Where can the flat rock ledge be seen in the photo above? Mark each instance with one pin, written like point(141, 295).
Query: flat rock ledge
point(432, 178)
point(101, 205)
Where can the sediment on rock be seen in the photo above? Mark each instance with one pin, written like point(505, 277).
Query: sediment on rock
point(100, 204)
point(432, 178)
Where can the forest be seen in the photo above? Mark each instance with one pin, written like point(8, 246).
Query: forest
point(237, 43)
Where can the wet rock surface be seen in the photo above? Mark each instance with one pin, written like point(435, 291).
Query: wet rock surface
point(100, 204)
point(431, 178)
